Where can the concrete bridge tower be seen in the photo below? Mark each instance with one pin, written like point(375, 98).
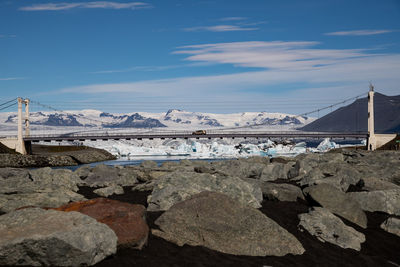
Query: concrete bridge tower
point(20, 145)
point(371, 126)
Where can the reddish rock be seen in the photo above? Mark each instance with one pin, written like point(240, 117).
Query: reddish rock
point(127, 220)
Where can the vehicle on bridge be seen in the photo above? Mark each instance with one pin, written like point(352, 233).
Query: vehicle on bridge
point(199, 132)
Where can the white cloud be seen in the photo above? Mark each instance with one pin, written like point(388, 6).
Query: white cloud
point(358, 32)
point(269, 55)
point(12, 78)
point(293, 72)
point(138, 68)
point(96, 4)
point(219, 28)
point(233, 18)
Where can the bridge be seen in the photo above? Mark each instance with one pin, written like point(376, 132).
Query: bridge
point(22, 142)
point(190, 135)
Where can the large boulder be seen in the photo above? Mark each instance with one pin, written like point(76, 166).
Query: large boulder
point(178, 186)
point(127, 220)
point(321, 223)
point(44, 198)
point(275, 171)
point(337, 202)
point(381, 200)
point(218, 222)
point(392, 225)
point(375, 184)
point(103, 176)
point(241, 168)
point(55, 178)
point(38, 237)
point(109, 190)
point(281, 192)
point(37, 180)
point(339, 175)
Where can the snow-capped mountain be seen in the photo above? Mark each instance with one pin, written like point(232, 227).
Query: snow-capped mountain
point(172, 119)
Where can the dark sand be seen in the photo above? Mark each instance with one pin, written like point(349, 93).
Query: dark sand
point(380, 248)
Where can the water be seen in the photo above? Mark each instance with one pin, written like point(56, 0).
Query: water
point(136, 161)
point(125, 161)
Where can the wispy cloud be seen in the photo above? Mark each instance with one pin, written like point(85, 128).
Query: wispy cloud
point(138, 68)
point(220, 28)
point(269, 55)
point(233, 18)
point(358, 32)
point(323, 75)
point(7, 36)
point(96, 4)
point(12, 78)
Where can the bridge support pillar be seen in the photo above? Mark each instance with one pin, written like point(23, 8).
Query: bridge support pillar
point(20, 145)
point(27, 124)
point(371, 127)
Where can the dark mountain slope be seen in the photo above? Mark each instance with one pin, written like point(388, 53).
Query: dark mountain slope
point(353, 118)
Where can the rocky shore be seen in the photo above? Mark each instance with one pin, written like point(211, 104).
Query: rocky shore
point(54, 156)
point(334, 209)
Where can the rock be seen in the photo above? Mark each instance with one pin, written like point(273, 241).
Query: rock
point(274, 172)
point(109, 190)
point(178, 186)
point(83, 172)
point(238, 168)
point(103, 175)
point(38, 237)
point(46, 178)
point(218, 222)
point(382, 200)
point(281, 192)
point(45, 198)
point(321, 223)
point(25, 161)
point(392, 225)
point(149, 186)
point(127, 220)
point(338, 175)
point(337, 202)
point(375, 184)
point(148, 164)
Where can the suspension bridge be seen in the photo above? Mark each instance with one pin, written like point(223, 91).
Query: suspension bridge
point(22, 142)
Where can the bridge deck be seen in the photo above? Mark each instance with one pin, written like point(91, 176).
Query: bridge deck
point(137, 136)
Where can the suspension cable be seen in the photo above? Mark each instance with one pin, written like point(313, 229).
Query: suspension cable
point(5, 103)
point(8, 106)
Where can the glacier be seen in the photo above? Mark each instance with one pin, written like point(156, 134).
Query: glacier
point(203, 149)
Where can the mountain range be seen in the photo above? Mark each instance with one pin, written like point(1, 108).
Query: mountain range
point(354, 117)
point(174, 119)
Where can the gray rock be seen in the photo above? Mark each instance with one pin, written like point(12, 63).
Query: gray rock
point(149, 186)
point(43, 187)
point(83, 172)
point(321, 223)
point(218, 222)
point(382, 200)
point(281, 192)
point(39, 237)
point(375, 184)
point(275, 171)
point(103, 175)
point(109, 190)
point(337, 202)
point(45, 178)
point(148, 164)
point(338, 175)
point(46, 198)
point(241, 168)
point(392, 225)
point(178, 186)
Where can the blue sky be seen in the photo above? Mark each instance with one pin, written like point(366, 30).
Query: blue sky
point(210, 56)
